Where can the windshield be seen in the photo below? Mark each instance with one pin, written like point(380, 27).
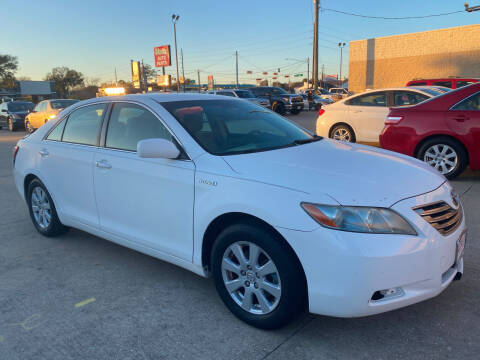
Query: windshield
point(244, 94)
point(227, 127)
point(61, 104)
point(17, 106)
point(278, 91)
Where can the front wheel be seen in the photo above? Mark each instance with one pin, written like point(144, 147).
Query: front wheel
point(445, 155)
point(279, 108)
point(295, 111)
point(257, 276)
point(11, 125)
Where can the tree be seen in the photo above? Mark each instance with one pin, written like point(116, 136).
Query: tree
point(8, 67)
point(65, 79)
point(150, 72)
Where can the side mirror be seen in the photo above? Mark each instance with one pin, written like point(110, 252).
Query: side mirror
point(157, 148)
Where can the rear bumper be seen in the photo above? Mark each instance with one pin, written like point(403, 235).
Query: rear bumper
point(344, 270)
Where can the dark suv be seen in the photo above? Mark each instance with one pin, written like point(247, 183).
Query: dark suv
point(280, 100)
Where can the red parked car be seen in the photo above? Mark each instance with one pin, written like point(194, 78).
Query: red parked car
point(443, 131)
point(452, 83)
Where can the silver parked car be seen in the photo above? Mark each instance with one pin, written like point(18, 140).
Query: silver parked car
point(243, 94)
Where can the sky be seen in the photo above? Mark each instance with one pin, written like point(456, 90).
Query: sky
point(97, 36)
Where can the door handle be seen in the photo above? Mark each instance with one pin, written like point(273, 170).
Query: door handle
point(43, 153)
point(103, 164)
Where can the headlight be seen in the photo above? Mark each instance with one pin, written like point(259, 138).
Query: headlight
point(359, 219)
point(53, 116)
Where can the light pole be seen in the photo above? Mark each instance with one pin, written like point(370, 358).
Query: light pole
point(341, 46)
point(174, 21)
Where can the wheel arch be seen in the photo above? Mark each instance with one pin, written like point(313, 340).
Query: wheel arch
point(433, 136)
point(225, 220)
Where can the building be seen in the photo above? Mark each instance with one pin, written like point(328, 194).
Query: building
point(394, 60)
point(37, 90)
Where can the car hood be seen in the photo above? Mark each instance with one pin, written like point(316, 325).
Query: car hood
point(351, 174)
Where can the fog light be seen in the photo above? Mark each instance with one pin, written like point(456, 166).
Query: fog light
point(387, 294)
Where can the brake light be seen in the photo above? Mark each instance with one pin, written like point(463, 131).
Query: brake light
point(15, 152)
point(321, 111)
point(392, 120)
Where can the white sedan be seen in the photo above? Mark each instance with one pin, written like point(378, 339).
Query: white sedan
point(361, 118)
point(223, 187)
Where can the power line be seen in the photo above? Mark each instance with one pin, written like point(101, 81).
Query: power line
point(391, 18)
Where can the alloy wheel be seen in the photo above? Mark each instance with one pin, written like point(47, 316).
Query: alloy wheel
point(251, 278)
point(342, 134)
point(442, 157)
point(42, 211)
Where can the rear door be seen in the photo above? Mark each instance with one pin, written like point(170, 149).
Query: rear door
point(464, 119)
point(367, 114)
point(145, 201)
point(65, 159)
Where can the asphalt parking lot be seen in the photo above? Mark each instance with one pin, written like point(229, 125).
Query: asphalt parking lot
point(81, 297)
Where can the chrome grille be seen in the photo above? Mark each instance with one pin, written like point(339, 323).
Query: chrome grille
point(441, 216)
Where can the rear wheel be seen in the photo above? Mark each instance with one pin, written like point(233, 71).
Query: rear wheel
point(42, 210)
point(295, 111)
point(29, 127)
point(444, 154)
point(343, 133)
point(257, 277)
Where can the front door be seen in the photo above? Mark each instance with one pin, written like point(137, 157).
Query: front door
point(147, 201)
point(464, 119)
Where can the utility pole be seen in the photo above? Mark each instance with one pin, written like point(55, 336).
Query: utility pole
point(323, 76)
point(163, 73)
point(199, 85)
point(183, 72)
point(308, 71)
point(236, 67)
point(341, 46)
point(315, 46)
point(174, 21)
point(116, 81)
point(471, 8)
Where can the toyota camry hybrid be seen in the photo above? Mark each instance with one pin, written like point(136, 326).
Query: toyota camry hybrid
point(283, 220)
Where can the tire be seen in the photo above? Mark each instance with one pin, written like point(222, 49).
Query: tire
point(29, 127)
point(446, 155)
point(279, 108)
point(342, 132)
point(295, 111)
point(285, 279)
point(11, 125)
point(41, 206)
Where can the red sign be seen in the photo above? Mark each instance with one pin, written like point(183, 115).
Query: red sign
point(265, 73)
point(249, 72)
point(275, 73)
point(287, 76)
point(210, 82)
point(162, 56)
point(274, 78)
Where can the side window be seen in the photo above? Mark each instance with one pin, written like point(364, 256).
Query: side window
point(402, 98)
point(130, 123)
point(225, 93)
point(420, 83)
point(37, 107)
point(56, 134)
point(463, 83)
point(83, 124)
point(443, 83)
point(375, 99)
point(469, 104)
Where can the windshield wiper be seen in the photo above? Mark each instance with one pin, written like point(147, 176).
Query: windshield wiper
point(306, 141)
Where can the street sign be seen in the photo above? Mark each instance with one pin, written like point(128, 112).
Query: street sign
point(162, 56)
point(274, 78)
point(287, 76)
point(210, 82)
point(275, 73)
point(249, 72)
point(164, 80)
point(258, 79)
point(265, 73)
point(135, 74)
point(298, 75)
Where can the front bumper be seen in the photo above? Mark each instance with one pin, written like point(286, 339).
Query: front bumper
point(344, 270)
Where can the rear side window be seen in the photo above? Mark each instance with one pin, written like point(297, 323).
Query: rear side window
point(443, 83)
point(403, 98)
point(463, 83)
point(225, 93)
point(375, 99)
point(471, 103)
point(420, 83)
point(83, 125)
point(130, 123)
point(56, 134)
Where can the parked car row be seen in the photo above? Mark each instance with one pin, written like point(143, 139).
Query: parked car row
point(430, 123)
point(20, 115)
